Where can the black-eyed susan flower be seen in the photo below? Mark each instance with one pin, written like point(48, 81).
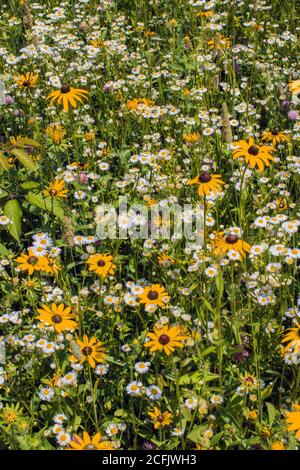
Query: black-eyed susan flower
point(56, 189)
point(166, 339)
point(58, 316)
point(87, 443)
point(294, 87)
point(223, 243)
point(26, 80)
point(68, 96)
point(101, 264)
point(254, 155)
point(207, 183)
point(51, 265)
point(88, 350)
point(274, 136)
point(30, 262)
point(277, 445)
point(292, 338)
point(154, 294)
point(160, 419)
point(293, 420)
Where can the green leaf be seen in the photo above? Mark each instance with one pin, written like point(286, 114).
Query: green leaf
point(27, 141)
point(47, 204)
point(3, 250)
point(272, 413)
point(4, 162)
point(215, 439)
point(196, 434)
point(25, 159)
point(30, 185)
point(13, 211)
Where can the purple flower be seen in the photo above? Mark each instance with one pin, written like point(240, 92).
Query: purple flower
point(293, 114)
point(9, 100)
point(107, 88)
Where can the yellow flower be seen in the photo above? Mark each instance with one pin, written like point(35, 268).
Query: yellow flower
point(160, 419)
point(166, 339)
point(293, 338)
point(275, 136)
point(277, 446)
point(249, 381)
point(207, 183)
point(154, 294)
point(56, 133)
point(98, 43)
point(293, 420)
point(90, 136)
point(87, 443)
point(165, 260)
point(192, 137)
point(101, 264)
point(205, 14)
point(220, 42)
point(58, 316)
point(30, 262)
point(56, 189)
point(254, 155)
point(224, 243)
point(51, 266)
point(10, 414)
point(27, 80)
point(89, 350)
point(139, 104)
point(67, 96)
point(294, 87)
point(252, 415)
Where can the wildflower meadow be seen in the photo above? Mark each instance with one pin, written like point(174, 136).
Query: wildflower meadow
point(149, 220)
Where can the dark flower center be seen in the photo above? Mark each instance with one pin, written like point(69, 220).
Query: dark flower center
point(56, 318)
point(204, 177)
point(160, 419)
point(249, 380)
point(152, 295)
point(253, 150)
point(231, 239)
point(65, 89)
point(33, 260)
point(87, 351)
point(164, 339)
point(101, 263)
point(275, 132)
point(53, 192)
point(90, 447)
point(26, 83)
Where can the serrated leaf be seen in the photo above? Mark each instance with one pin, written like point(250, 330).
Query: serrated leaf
point(25, 159)
point(46, 203)
point(13, 211)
